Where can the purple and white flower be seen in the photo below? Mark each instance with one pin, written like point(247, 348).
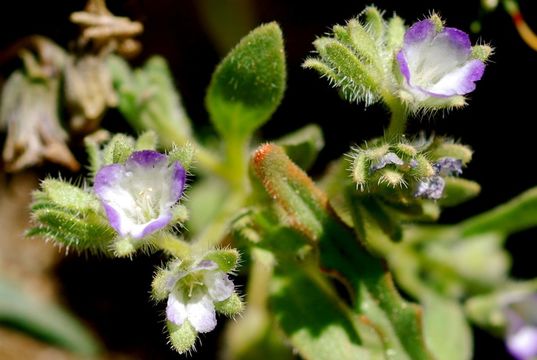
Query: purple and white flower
point(436, 62)
point(431, 188)
point(193, 294)
point(521, 337)
point(138, 195)
point(448, 166)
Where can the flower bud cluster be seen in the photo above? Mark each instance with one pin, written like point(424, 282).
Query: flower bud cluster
point(415, 169)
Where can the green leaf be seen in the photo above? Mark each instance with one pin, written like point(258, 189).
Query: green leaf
point(303, 145)
point(324, 70)
point(359, 80)
point(318, 323)
point(516, 215)
point(458, 190)
point(395, 34)
point(248, 85)
point(45, 320)
point(80, 231)
point(447, 332)
point(374, 22)
point(364, 44)
point(149, 100)
point(306, 209)
point(66, 195)
point(480, 259)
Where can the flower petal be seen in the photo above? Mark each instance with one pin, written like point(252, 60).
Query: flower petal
point(420, 32)
point(431, 188)
point(438, 64)
point(107, 180)
point(523, 343)
point(201, 313)
point(205, 265)
point(218, 285)
point(146, 158)
point(176, 310)
point(460, 81)
point(448, 166)
point(178, 180)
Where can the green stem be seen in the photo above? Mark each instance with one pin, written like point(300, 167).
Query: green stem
point(218, 227)
point(236, 163)
point(171, 244)
point(258, 282)
point(206, 158)
point(235, 172)
point(398, 120)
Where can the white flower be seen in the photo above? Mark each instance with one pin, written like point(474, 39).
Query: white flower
point(193, 294)
point(138, 196)
point(521, 335)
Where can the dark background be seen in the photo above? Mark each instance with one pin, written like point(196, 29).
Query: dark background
point(497, 124)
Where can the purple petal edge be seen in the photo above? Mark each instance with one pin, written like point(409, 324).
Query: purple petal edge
point(477, 69)
point(155, 225)
point(146, 158)
point(403, 65)
point(178, 180)
point(205, 265)
point(525, 348)
point(419, 31)
point(458, 38)
point(113, 218)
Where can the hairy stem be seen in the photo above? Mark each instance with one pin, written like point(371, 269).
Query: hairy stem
point(398, 119)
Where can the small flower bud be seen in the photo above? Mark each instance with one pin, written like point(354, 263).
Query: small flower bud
point(422, 167)
point(161, 284)
point(226, 259)
point(406, 149)
point(481, 52)
point(124, 247)
point(179, 214)
point(118, 149)
point(489, 5)
point(148, 140)
point(182, 337)
point(392, 178)
point(232, 306)
point(360, 170)
point(183, 154)
point(452, 150)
